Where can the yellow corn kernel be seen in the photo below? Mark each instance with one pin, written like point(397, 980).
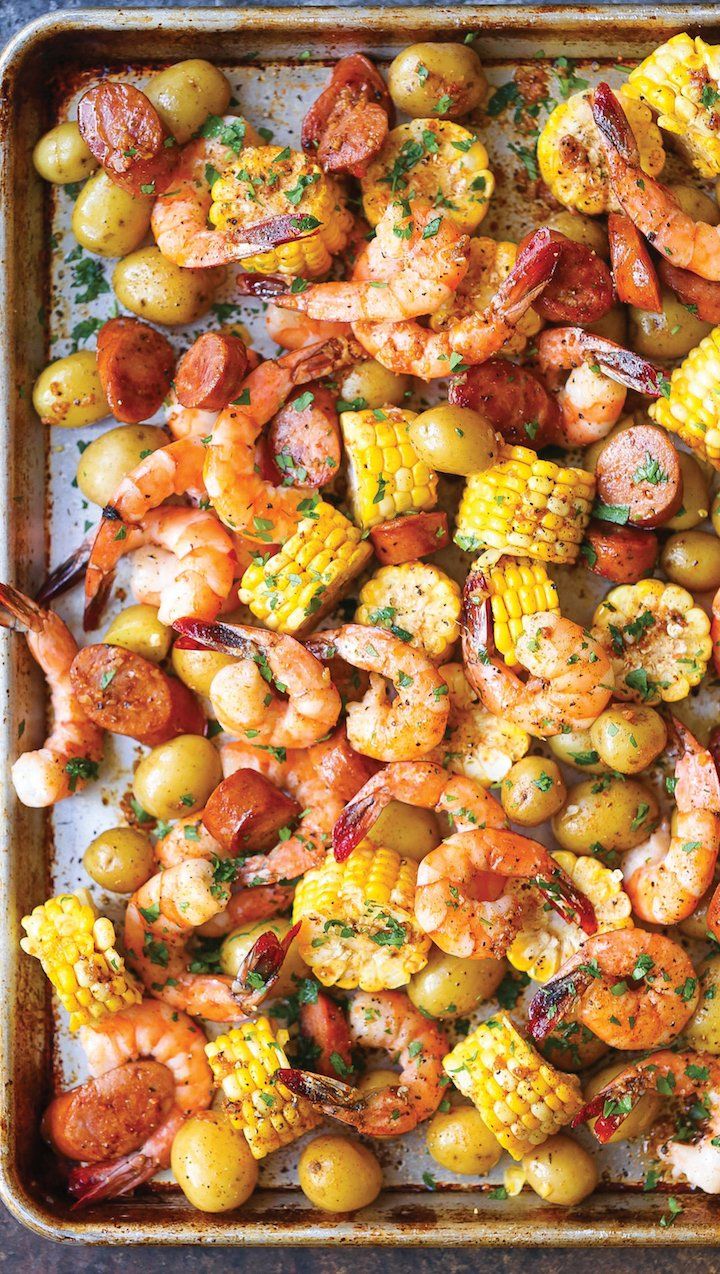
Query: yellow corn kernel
point(680, 82)
point(386, 476)
point(417, 602)
point(692, 407)
point(477, 743)
point(517, 587)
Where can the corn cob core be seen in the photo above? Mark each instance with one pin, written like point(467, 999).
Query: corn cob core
point(291, 591)
point(76, 949)
point(243, 1063)
point(525, 506)
point(680, 82)
point(267, 181)
point(692, 408)
point(490, 263)
point(522, 1099)
point(545, 940)
point(386, 476)
point(417, 602)
point(358, 924)
point(657, 638)
point(517, 587)
point(477, 743)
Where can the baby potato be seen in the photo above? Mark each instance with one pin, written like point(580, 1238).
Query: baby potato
point(695, 203)
point(592, 453)
point(606, 814)
point(449, 987)
point(212, 1163)
point(197, 668)
point(185, 94)
point(613, 326)
point(561, 1171)
point(532, 791)
point(177, 777)
point(111, 457)
point(138, 628)
point(576, 748)
point(696, 925)
point(412, 832)
point(156, 289)
point(379, 1078)
point(703, 1030)
point(441, 80)
point(120, 859)
point(108, 220)
point(666, 336)
point(692, 559)
point(695, 496)
point(643, 1114)
point(339, 1175)
point(460, 1141)
point(454, 439)
point(572, 1047)
point(581, 229)
point(375, 384)
point(69, 392)
point(237, 944)
point(629, 737)
point(62, 156)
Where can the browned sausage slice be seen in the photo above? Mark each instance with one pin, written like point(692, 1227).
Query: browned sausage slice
point(702, 296)
point(580, 290)
point(111, 1115)
point(126, 694)
point(639, 471)
point(123, 130)
point(246, 813)
point(407, 538)
point(620, 554)
point(513, 399)
point(347, 125)
point(135, 365)
point(304, 438)
point(209, 375)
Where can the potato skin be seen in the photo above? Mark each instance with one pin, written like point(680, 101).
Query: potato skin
point(110, 221)
point(120, 859)
point(176, 778)
point(237, 944)
point(112, 456)
point(448, 987)
point(156, 289)
point(440, 81)
point(61, 155)
point(629, 737)
point(460, 1141)
point(375, 383)
point(665, 336)
point(532, 791)
point(185, 94)
point(561, 1171)
point(138, 628)
point(703, 1030)
point(212, 1163)
point(412, 832)
point(339, 1175)
point(69, 393)
point(454, 439)
point(610, 813)
point(692, 560)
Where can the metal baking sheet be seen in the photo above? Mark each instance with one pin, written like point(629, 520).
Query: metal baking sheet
point(273, 86)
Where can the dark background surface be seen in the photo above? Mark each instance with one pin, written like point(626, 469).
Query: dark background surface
point(19, 1249)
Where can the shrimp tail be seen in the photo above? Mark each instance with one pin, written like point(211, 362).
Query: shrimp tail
point(328, 1095)
point(550, 1004)
point(270, 232)
point(210, 636)
point(568, 901)
point(624, 366)
point(263, 285)
point(67, 574)
point(260, 969)
point(612, 1105)
point(91, 1182)
point(529, 276)
point(477, 613)
point(355, 822)
point(613, 124)
point(24, 611)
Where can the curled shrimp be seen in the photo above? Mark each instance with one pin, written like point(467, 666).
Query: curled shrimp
point(386, 1020)
point(294, 330)
point(414, 722)
point(416, 260)
point(689, 244)
point(204, 555)
point(632, 989)
point(571, 678)
point(73, 748)
point(666, 888)
point(180, 216)
point(267, 662)
point(687, 1077)
point(408, 348)
point(177, 1045)
point(593, 396)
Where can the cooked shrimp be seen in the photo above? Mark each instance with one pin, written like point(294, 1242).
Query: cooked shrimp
point(715, 631)
point(70, 754)
point(295, 330)
point(203, 549)
point(417, 259)
point(180, 217)
point(667, 886)
point(593, 396)
point(632, 989)
point(687, 1077)
point(476, 742)
point(188, 422)
point(177, 1045)
point(386, 1020)
point(689, 244)
point(243, 499)
point(572, 678)
point(242, 693)
point(407, 347)
point(414, 722)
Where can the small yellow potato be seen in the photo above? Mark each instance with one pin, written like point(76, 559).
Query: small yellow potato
point(185, 94)
point(572, 1047)
point(460, 1141)
point(581, 229)
point(237, 944)
point(703, 1030)
point(612, 326)
point(176, 778)
point(156, 289)
point(629, 736)
point(376, 385)
point(666, 336)
point(692, 560)
point(643, 1114)
point(111, 457)
point(120, 859)
point(454, 439)
point(378, 1078)
point(108, 220)
point(412, 832)
point(69, 392)
point(212, 1163)
point(449, 987)
point(138, 628)
point(605, 815)
point(532, 791)
point(197, 668)
point(695, 496)
point(696, 203)
point(444, 81)
point(339, 1175)
point(561, 1171)
point(62, 156)
point(576, 748)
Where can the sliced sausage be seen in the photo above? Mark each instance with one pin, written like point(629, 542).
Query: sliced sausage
point(636, 281)
point(701, 295)
point(135, 365)
point(210, 374)
point(246, 813)
point(580, 290)
point(639, 470)
point(304, 438)
point(407, 538)
point(347, 125)
point(111, 1115)
point(123, 130)
point(126, 694)
point(513, 399)
point(324, 1025)
point(620, 553)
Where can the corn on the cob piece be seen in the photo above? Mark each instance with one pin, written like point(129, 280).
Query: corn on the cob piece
point(680, 81)
point(545, 940)
point(269, 181)
point(525, 506)
point(436, 158)
point(243, 1063)
point(76, 949)
point(417, 602)
point(522, 1098)
point(477, 743)
point(490, 264)
point(572, 160)
point(517, 587)
point(386, 476)
point(657, 638)
point(692, 406)
point(291, 591)
point(358, 923)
